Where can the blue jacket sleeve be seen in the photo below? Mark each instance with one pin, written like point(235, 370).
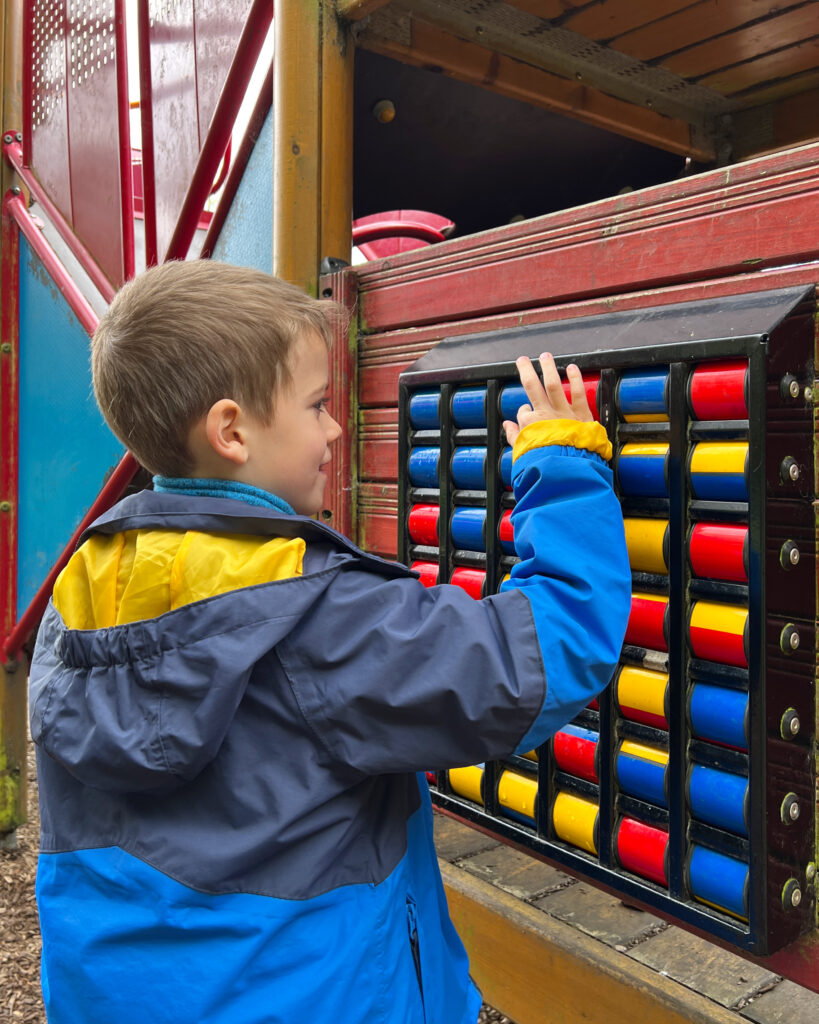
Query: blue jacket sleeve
point(394, 677)
point(575, 572)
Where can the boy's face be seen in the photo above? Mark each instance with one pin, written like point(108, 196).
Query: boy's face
point(287, 456)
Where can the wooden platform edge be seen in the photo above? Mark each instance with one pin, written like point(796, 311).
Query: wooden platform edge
point(538, 970)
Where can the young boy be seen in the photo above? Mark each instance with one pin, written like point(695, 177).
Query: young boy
point(231, 701)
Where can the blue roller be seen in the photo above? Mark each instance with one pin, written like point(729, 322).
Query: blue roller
point(719, 798)
point(642, 778)
point(469, 529)
point(641, 394)
point(469, 407)
point(641, 471)
point(719, 486)
point(423, 467)
point(512, 398)
point(424, 410)
point(719, 714)
point(506, 467)
point(719, 880)
point(469, 468)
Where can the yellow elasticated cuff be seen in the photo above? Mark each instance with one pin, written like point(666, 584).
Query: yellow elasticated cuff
point(574, 433)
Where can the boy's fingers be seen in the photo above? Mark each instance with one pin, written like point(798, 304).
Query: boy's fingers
point(552, 384)
point(531, 383)
point(512, 430)
point(580, 401)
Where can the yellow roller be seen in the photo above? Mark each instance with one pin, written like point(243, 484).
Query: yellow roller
point(724, 618)
point(646, 417)
point(644, 540)
point(643, 690)
point(518, 793)
point(575, 820)
point(531, 756)
point(644, 449)
point(645, 752)
point(467, 782)
point(719, 457)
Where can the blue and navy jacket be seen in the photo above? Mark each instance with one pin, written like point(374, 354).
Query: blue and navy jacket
point(231, 706)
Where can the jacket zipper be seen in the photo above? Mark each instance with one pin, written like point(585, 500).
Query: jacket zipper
point(412, 925)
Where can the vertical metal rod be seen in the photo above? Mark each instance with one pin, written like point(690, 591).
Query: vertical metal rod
point(126, 186)
point(9, 418)
point(677, 618)
point(146, 113)
point(759, 896)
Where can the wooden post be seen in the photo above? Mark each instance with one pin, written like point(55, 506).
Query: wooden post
point(312, 139)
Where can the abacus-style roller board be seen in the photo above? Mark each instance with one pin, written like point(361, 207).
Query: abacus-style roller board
point(690, 784)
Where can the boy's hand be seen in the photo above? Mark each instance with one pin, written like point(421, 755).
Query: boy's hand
point(547, 400)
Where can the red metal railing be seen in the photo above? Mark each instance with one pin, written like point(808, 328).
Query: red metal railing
point(16, 218)
point(224, 117)
point(13, 151)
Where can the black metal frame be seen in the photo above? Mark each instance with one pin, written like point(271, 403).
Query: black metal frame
point(770, 925)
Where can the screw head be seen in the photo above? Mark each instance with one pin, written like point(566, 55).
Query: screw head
point(5, 506)
point(790, 725)
point(793, 389)
point(7, 138)
point(789, 555)
point(807, 394)
point(789, 638)
point(5, 348)
point(16, 190)
point(789, 469)
point(18, 136)
point(791, 894)
point(810, 872)
point(789, 810)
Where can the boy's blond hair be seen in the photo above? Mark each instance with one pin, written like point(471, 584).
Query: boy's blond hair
point(181, 336)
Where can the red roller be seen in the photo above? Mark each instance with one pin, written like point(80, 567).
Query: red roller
point(473, 581)
point(646, 624)
point(591, 385)
point(575, 752)
point(506, 532)
point(719, 551)
point(423, 524)
point(428, 572)
point(641, 849)
point(716, 391)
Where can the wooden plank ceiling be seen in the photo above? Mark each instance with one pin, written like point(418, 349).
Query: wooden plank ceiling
point(720, 80)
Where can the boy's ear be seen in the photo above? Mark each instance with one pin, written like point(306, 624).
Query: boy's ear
point(225, 431)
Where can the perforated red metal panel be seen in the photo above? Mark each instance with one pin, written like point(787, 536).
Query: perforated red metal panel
point(72, 117)
point(45, 100)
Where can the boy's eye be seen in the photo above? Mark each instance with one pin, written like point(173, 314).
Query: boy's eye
point(321, 405)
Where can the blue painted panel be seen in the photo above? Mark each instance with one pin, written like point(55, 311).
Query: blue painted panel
point(66, 449)
point(246, 238)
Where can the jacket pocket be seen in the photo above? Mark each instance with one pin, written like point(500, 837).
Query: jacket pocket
point(415, 946)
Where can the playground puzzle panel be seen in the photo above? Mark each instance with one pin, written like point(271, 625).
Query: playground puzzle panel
point(690, 784)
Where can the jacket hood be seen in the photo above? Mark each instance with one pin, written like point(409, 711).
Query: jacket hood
point(127, 703)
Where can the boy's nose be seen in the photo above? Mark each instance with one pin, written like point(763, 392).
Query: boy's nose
point(333, 431)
